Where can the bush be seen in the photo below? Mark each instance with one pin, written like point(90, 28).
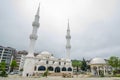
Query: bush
point(3, 74)
point(114, 72)
point(45, 74)
point(116, 75)
point(101, 73)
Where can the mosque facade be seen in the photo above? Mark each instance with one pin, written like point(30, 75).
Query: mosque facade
point(45, 60)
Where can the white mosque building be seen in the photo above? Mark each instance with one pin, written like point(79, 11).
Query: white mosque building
point(45, 60)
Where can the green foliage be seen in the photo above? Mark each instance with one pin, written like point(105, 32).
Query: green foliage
point(45, 74)
point(114, 62)
point(13, 65)
point(84, 65)
point(114, 72)
point(117, 75)
point(2, 66)
point(21, 69)
point(3, 73)
point(2, 69)
point(76, 63)
point(119, 63)
point(101, 73)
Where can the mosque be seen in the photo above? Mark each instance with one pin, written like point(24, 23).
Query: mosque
point(45, 60)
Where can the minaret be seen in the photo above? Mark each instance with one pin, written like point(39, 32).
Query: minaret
point(33, 36)
point(29, 63)
point(68, 46)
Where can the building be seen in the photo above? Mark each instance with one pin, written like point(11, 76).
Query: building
point(99, 66)
point(35, 65)
point(7, 54)
point(46, 60)
point(19, 58)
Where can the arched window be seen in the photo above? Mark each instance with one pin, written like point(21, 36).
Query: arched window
point(57, 69)
point(41, 68)
point(69, 69)
point(50, 68)
point(64, 69)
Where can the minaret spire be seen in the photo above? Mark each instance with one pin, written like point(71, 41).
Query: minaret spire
point(38, 9)
point(68, 25)
point(68, 37)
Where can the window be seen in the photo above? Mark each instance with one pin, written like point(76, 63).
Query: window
point(69, 69)
point(63, 69)
point(50, 68)
point(59, 63)
point(46, 62)
point(41, 68)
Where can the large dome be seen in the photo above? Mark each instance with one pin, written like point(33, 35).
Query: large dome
point(45, 54)
point(97, 61)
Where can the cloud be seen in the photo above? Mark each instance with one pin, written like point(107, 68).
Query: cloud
point(94, 26)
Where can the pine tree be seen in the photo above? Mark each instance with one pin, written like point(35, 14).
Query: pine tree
point(84, 65)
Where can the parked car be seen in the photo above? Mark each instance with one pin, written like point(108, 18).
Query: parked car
point(12, 73)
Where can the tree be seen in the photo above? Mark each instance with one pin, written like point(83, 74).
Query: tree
point(84, 65)
point(119, 63)
point(13, 65)
point(2, 66)
point(2, 69)
point(114, 62)
point(76, 63)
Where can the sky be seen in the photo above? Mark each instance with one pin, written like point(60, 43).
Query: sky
point(94, 26)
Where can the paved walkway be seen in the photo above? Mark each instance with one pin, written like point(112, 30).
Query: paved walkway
point(57, 78)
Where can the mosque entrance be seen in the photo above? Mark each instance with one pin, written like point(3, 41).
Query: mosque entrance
point(57, 69)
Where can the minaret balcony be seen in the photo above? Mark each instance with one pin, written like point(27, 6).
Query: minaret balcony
point(36, 24)
point(68, 47)
point(37, 16)
point(68, 37)
point(33, 36)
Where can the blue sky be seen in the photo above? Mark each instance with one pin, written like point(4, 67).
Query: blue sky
point(94, 25)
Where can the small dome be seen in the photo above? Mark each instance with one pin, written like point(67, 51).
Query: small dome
point(68, 60)
point(53, 58)
point(97, 61)
point(45, 52)
point(63, 59)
